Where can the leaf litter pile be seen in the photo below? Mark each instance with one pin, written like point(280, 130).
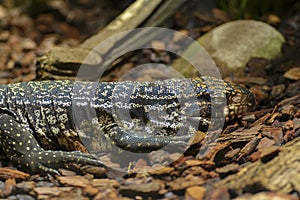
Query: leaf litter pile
point(255, 157)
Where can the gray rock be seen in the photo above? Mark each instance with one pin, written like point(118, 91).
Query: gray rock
point(232, 44)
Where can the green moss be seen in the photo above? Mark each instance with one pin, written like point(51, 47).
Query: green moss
point(246, 9)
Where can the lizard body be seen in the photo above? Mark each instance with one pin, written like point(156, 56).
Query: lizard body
point(42, 123)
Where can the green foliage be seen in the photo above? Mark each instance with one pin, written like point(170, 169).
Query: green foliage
point(246, 9)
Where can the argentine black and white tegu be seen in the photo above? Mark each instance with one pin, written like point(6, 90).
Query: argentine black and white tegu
point(41, 122)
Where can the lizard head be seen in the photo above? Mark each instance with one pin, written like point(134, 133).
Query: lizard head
point(239, 100)
point(232, 98)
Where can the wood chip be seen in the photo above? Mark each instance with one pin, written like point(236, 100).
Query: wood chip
point(54, 191)
point(199, 171)
point(28, 44)
point(150, 187)
point(228, 169)
point(265, 142)
point(232, 153)
point(195, 192)
point(185, 182)
point(255, 156)
point(6, 173)
point(289, 135)
point(269, 153)
point(288, 125)
point(249, 118)
point(207, 164)
point(219, 193)
point(10, 184)
point(25, 186)
point(77, 181)
point(274, 133)
point(65, 172)
point(104, 183)
point(197, 138)
point(249, 147)
point(293, 74)
point(90, 190)
point(277, 91)
point(97, 171)
point(287, 109)
point(109, 194)
point(161, 171)
point(296, 123)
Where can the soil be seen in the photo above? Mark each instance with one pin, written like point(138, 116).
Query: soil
point(28, 31)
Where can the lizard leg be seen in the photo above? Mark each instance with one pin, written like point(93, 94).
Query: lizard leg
point(135, 142)
point(21, 147)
